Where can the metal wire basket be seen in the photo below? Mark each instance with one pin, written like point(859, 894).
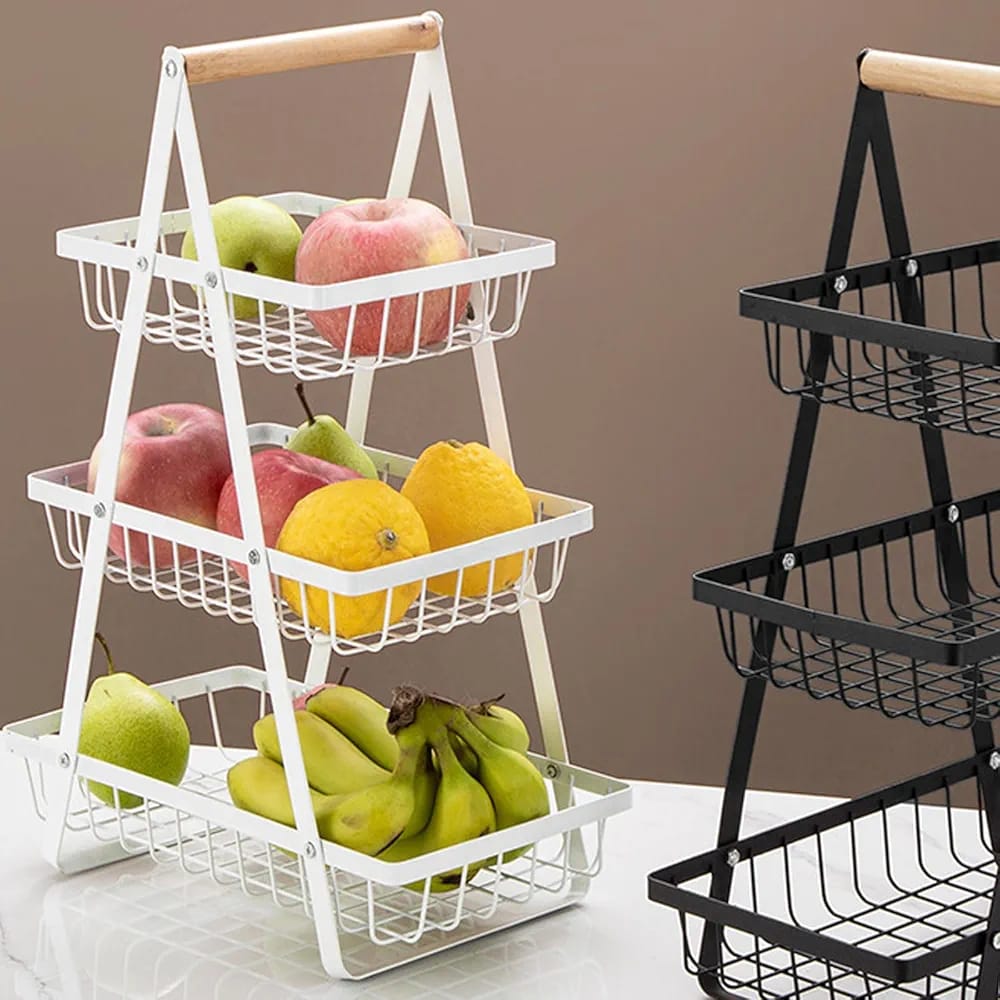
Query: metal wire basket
point(884, 896)
point(196, 566)
point(377, 905)
point(870, 618)
point(944, 372)
point(278, 334)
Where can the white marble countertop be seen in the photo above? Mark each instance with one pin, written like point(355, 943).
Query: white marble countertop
point(138, 930)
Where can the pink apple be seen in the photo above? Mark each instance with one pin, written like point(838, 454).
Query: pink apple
point(174, 460)
point(283, 478)
point(374, 236)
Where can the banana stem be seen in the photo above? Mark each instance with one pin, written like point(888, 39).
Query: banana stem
point(107, 651)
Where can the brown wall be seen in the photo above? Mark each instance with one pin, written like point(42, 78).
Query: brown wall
point(675, 153)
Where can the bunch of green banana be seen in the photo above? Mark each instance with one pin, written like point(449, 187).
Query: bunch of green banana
point(461, 809)
point(402, 781)
point(505, 789)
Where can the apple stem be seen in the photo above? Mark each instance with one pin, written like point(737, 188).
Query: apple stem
point(301, 390)
point(107, 651)
point(343, 676)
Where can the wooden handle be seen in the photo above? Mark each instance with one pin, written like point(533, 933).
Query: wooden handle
point(924, 76)
point(304, 49)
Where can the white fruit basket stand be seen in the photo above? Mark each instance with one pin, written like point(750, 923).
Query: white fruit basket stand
point(369, 914)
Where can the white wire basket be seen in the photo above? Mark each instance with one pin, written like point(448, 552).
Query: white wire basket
point(184, 562)
point(385, 912)
point(283, 339)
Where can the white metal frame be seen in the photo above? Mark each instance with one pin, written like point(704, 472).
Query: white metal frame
point(429, 87)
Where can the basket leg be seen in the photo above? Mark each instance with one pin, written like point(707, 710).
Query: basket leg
point(989, 969)
point(712, 987)
point(54, 847)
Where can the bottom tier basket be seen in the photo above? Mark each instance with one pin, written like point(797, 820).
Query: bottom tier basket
point(884, 896)
point(385, 912)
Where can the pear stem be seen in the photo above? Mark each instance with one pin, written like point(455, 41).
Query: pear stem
point(107, 651)
point(301, 391)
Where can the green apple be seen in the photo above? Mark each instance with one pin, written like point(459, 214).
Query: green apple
point(253, 234)
point(128, 723)
point(323, 437)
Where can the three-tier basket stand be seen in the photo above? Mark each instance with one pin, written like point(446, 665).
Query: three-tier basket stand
point(894, 894)
point(369, 915)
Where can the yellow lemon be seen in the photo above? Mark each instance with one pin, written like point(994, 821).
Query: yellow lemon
point(465, 492)
point(353, 525)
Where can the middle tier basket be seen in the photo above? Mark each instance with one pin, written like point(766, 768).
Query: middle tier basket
point(181, 561)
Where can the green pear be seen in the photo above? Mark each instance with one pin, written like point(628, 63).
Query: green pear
point(128, 723)
point(323, 437)
point(253, 234)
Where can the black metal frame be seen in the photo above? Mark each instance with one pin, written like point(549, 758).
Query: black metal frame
point(962, 648)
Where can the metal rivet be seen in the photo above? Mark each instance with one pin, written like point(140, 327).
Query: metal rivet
point(170, 68)
point(995, 761)
point(99, 509)
point(733, 858)
point(788, 561)
point(952, 514)
point(840, 284)
point(552, 770)
point(141, 263)
point(309, 850)
point(64, 760)
point(912, 267)
point(211, 279)
point(254, 557)
point(996, 941)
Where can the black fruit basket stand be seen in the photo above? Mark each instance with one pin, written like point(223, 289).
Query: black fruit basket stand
point(894, 894)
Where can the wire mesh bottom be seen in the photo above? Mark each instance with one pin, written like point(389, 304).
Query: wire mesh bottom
point(751, 968)
point(158, 933)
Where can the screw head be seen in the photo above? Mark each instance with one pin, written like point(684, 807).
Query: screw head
point(64, 760)
point(141, 263)
point(253, 557)
point(952, 514)
point(309, 850)
point(99, 509)
point(170, 68)
point(733, 858)
point(912, 267)
point(211, 279)
point(788, 561)
point(995, 760)
point(552, 770)
point(840, 284)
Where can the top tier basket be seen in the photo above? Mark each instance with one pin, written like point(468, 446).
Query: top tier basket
point(282, 339)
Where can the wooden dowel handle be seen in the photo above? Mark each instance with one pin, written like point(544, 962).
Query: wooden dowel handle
point(304, 49)
point(925, 76)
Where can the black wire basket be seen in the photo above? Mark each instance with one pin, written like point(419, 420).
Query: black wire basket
point(871, 618)
point(897, 886)
point(944, 371)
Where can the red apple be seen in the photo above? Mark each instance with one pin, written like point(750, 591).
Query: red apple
point(374, 236)
point(174, 460)
point(283, 478)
